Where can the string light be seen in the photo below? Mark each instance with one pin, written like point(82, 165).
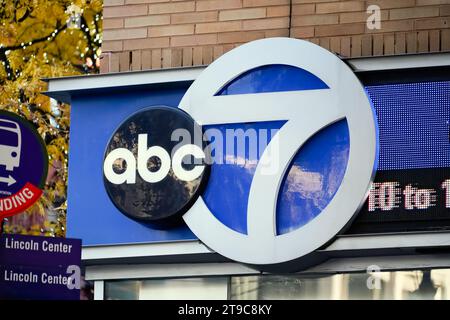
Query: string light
point(87, 33)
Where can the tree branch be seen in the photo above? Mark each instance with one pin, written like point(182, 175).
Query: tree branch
point(9, 72)
point(26, 15)
point(7, 65)
point(29, 43)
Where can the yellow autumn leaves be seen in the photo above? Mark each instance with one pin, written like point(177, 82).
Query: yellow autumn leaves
point(37, 42)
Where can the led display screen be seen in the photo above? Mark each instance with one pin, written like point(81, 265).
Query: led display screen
point(411, 190)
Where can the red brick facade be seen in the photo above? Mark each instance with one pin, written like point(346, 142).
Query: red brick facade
point(150, 34)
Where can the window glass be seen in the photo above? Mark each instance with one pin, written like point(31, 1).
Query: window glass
point(165, 289)
point(398, 285)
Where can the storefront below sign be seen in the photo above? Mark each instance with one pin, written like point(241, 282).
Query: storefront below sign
point(397, 285)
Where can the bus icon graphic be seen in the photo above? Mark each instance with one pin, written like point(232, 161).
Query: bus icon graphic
point(10, 144)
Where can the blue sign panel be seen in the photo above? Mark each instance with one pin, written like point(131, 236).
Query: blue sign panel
point(39, 268)
point(413, 120)
point(92, 216)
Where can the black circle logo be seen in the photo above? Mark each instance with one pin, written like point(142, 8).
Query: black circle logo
point(155, 165)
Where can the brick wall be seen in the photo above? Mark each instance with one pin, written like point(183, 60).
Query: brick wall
point(151, 34)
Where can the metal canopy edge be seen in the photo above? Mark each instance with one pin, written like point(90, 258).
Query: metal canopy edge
point(357, 245)
point(62, 88)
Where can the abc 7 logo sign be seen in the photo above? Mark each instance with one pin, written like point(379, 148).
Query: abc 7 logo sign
point(306, 112)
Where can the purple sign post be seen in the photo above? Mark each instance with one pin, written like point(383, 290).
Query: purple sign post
point(39, 268)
